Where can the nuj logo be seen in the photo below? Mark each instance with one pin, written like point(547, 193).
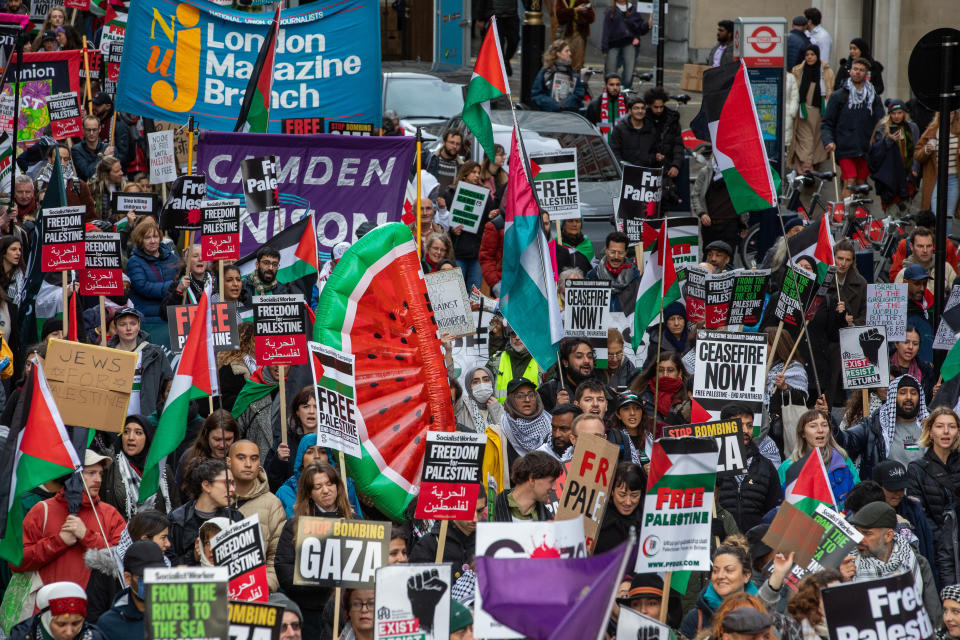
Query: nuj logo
point(180, 45)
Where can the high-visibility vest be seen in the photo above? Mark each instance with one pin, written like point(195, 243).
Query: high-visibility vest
point(505, 375)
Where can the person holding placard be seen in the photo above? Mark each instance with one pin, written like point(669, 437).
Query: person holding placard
point(675, 334)
point(78, 193)
point(188, 285)
point(107, 180)
point(903, 359)
point(125, 619)
point(466, 244)
point(320, 493)
point(153, 369)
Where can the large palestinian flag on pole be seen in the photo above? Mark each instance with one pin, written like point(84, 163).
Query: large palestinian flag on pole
point(255, 110)
point(38, 450)
point(658, 287)
point(678, 507)
point(728, 118)
point(488, 83)
point(375, 306)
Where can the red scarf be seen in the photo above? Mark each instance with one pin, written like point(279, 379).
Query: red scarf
point(616, 271)
point(668, 388)
point(606, 125)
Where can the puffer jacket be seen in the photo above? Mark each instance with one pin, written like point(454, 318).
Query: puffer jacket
point(272, 519)
point(756, 494)
point(150, 278)
point(934, 484)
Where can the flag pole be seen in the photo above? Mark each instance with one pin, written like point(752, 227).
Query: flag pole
point(106, 540)
point(66, 312)
point(661, 255)
point(103, 323)
point(86, 68)
point(665, 599)
point(442, 540)
point(418, 198)
point(283, 407)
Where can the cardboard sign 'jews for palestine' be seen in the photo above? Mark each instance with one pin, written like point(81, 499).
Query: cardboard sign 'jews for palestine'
point(450, 483)
point(91, 384)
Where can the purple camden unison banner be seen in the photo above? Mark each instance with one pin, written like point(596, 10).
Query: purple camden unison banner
point(343, 180)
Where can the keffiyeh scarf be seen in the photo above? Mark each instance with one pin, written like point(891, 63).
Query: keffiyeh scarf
point(606, 123)
point(888, 411)
point(862, 97)
point(902, 558)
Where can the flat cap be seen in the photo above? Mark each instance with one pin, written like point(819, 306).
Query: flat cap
point(747, 620)
point(876, 515)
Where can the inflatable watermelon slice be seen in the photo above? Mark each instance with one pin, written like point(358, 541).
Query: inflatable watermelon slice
point(375, 306)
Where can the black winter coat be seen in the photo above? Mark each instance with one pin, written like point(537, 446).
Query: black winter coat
point(185, 527)
point(758, 492)
point(936, 486)
point(849, 129)
point(632, 145)
point(459, 549)
point(311, 600)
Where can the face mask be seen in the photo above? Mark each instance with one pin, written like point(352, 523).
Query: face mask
point(141, 589)
point(482, 392)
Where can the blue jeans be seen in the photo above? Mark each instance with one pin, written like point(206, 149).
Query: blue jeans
point(471, 273)
point(621, 57)
point(953, 194)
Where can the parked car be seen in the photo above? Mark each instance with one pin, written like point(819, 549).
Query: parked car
point(421, 100)
point(597, 168)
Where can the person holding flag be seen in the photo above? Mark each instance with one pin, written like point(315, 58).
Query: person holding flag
point(813, 433)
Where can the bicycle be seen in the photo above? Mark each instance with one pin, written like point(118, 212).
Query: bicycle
point(790, 206)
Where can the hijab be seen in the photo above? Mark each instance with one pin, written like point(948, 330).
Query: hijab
point(60, 598)
point(811, 75)
point(149, 429)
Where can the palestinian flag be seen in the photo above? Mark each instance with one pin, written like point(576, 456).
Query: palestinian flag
point(488, 83)
point(333, 374)
point(196, 377)
point(951, 364)
point(375, 306)
point(297, 245)
point(816, 241)
point(658, 287)
point(528, 291)
point(808, 485)
point(728, 117)
point(37, 450)
point(679, 467)
point(255, 111)
point(253, 389)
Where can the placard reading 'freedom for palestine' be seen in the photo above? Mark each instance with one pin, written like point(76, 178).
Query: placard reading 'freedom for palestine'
point(450, 483)
point(468, 204)
point(62, 239)
point(240, 549)
point(555, 179)
point(280, 330)
point(220, 229)
point(102, 275)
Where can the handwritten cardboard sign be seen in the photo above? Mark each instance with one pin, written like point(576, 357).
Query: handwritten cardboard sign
point(450, 302)
point(90, 384)
point(887, 306)
point(586, 491)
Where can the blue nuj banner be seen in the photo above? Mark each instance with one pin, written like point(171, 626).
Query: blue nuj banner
point(195, 58)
